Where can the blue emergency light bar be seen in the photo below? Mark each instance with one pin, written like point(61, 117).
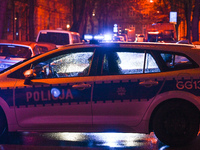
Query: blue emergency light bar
point(105, 37)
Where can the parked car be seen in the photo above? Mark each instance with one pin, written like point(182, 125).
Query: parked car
point(124, 87)
point(12, 52)
point(59, 37)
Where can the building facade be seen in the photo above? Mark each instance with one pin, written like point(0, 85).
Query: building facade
point(53, 14)
point(48, 14)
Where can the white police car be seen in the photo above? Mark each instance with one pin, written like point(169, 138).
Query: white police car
point(126, 87)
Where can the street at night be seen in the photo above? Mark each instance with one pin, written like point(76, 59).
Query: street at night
point(87, 141)
point(99, 74)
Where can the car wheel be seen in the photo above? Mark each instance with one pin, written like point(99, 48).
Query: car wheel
point(176, 123)
point(3, 125)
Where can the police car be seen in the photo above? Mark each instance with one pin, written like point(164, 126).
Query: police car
point(124, 87)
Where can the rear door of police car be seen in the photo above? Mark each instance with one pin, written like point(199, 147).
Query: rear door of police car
point(59, 97)
point(125, 86)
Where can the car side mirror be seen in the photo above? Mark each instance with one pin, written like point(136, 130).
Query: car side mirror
point(29, 74)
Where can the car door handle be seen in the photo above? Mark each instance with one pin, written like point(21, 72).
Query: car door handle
point(81, 86)
point(148, 83)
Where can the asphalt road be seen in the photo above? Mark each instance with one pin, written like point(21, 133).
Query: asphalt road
point(88, 141)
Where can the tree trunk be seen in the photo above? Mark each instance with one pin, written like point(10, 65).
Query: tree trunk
point(188, 8)
point(85, 24)
point(3, 6)
point(195, 22)
point(74, 15)
point(92, 24)
point(77, 23)
point(31, 20)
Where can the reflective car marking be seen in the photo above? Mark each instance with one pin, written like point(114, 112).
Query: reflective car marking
point(45, 95)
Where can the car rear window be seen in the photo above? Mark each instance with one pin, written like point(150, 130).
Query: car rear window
point(55, 38)
point(15, 51)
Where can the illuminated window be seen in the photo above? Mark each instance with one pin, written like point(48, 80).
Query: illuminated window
point(129, 63)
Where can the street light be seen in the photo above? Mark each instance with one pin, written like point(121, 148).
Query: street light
point(68, 26)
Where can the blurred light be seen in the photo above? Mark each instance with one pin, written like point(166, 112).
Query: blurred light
point(98, 37)
point(115, 28)
point(15, 18)
point(107, 139)
point(157, 32)
point(164, 147)
point(93, 14)
point(151, 1)
point(55, 92)
point(104, 139)
point(107, 37)
point(68, 26)
point(88, 37)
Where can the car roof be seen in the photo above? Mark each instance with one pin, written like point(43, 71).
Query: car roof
point(60, 31)
point(187, 49)
point(156, 46)
point(142, 45)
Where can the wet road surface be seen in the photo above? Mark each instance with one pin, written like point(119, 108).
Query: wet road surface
point(88, 141)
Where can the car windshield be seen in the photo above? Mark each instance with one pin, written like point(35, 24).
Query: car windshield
point(15, 51)
point(55, 38)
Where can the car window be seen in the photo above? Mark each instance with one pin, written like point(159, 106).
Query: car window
point(15, 51)
point(55, 38)
point(36, 50)
point(76, 38)
point(66, 65)
point(128, 63)
point(150, 64)
point(176, 61)
point(43, 49)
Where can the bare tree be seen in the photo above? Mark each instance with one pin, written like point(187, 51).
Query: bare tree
point(78, 13)
point(3, 7)
point(188, 9)
point(195, 22)
point(31, 20)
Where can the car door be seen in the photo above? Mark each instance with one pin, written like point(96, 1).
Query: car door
point(128, 82)
point(59, 96)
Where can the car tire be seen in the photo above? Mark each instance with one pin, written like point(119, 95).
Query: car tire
point(3, 125)
point(176, 122)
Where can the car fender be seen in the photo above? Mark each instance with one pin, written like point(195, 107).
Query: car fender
point(171, 95)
